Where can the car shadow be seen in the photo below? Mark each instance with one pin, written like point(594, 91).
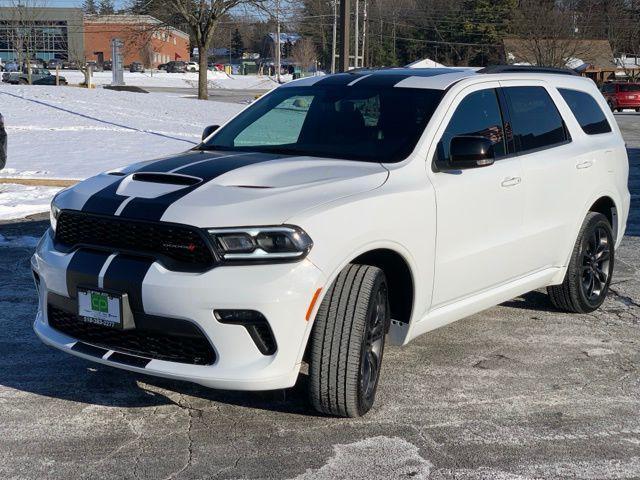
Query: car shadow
point(534, 301)
point(27, 365)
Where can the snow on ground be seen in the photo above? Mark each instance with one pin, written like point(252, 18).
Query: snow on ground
point(74, 133)
point(18, 201)
point(180, 80)
point(57, 132)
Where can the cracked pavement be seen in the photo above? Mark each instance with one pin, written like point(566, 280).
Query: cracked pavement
point(519, 391)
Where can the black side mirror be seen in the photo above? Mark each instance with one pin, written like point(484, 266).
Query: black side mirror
point(470, 152)
point(208, 131)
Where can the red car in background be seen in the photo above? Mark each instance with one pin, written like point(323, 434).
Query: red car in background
point(622, 95)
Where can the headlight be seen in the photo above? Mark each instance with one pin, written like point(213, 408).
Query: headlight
point(54, 214)
point(261, 244)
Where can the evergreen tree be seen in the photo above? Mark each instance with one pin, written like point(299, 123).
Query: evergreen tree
point(89, 7)
point(237, 44)
point(106, 7)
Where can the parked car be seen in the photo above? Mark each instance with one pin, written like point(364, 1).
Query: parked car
point(192, 67)
point(70, 65)
point(176, 67)
point(268, 246)
point(39, 76)
point(3, 143)
point(11, 67)
point(54, 63)
point(136, 67)
point(621, 96)
point(107, 65)
point(162, 66)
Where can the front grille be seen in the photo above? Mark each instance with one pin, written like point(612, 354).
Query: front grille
point(177, 247)
point(193, 348)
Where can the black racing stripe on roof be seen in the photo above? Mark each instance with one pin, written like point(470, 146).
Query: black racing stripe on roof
point(154, 208)
point(382, 80)
point(338, 79)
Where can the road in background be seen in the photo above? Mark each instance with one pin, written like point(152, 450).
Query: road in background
point(519, 391)
point(215, 94)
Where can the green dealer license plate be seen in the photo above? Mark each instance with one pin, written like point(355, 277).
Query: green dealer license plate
point(100, 308)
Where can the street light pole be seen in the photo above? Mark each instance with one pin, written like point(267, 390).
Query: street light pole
point(345, 21)
point(335, 36)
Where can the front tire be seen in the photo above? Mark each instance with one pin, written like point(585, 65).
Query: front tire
point(588, 277)
point(347, 342)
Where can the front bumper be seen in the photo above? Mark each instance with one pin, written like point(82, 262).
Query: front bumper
point(281, 292)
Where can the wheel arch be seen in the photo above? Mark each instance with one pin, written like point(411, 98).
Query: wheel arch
point(401, 279)
point(607, 207)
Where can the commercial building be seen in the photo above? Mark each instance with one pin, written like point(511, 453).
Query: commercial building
point(45, 33)
point(145, 38)
point(68, 34)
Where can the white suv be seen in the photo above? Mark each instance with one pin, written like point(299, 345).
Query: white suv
point(329, 213)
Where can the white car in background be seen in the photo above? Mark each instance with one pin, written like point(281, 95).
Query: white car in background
point(332, 211)
point(192, 67)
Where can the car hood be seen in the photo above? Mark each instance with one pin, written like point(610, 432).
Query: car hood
point(222, 189)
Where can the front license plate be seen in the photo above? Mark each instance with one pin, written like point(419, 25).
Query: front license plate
point(100, 308)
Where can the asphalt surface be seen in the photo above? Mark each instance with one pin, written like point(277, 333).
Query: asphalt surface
point(215, 94)
point(519, 391)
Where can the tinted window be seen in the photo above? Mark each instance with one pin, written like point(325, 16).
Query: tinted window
point(477, 115)
point(587, 111)
point(536, 122)
point(630, 87)
point(609, 88)
point(375, 124)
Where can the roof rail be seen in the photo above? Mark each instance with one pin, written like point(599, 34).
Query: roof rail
point(526, 69)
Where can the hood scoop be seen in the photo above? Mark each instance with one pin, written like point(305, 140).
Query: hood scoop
point(166, 178)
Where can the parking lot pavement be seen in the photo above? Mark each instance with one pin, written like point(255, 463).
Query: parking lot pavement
point(518, 391)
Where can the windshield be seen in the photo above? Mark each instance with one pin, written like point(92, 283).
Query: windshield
point(630, 87)
point(375, 124)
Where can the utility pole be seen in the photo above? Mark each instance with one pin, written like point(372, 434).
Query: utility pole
point(335, 35)
point(356, 35)
point(364, 34)
point(278, 47)
point(345, 20)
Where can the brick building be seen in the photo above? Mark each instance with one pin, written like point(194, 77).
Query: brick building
point(146, 39)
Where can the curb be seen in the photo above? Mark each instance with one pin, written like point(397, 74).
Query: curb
point(40, 182)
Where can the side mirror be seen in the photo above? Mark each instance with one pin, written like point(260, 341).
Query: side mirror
point(470, 152)
point(209, 130)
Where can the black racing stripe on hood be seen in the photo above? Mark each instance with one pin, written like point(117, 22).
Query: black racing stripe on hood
point(153, 209)
point(178, 161)
point(126, 274)
point(84, 269)
point(106, 201)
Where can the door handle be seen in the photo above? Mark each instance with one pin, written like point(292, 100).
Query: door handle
point(585, 164)
point(511, 181)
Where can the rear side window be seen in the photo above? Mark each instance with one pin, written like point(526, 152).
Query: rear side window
point(477, 115)
point(587, 111)
point(630, 87)
point(535, 120)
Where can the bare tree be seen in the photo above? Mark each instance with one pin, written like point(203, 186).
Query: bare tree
point(547, 34)
point(304, 53)
point(202, 17)
point(26, 34)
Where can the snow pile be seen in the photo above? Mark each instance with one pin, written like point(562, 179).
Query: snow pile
point(179, 80)
point(18, 201)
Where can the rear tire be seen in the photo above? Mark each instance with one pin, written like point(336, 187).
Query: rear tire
point(347, 342)
point(590, 269)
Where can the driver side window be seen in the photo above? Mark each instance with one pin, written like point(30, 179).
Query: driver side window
point(478, 115)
